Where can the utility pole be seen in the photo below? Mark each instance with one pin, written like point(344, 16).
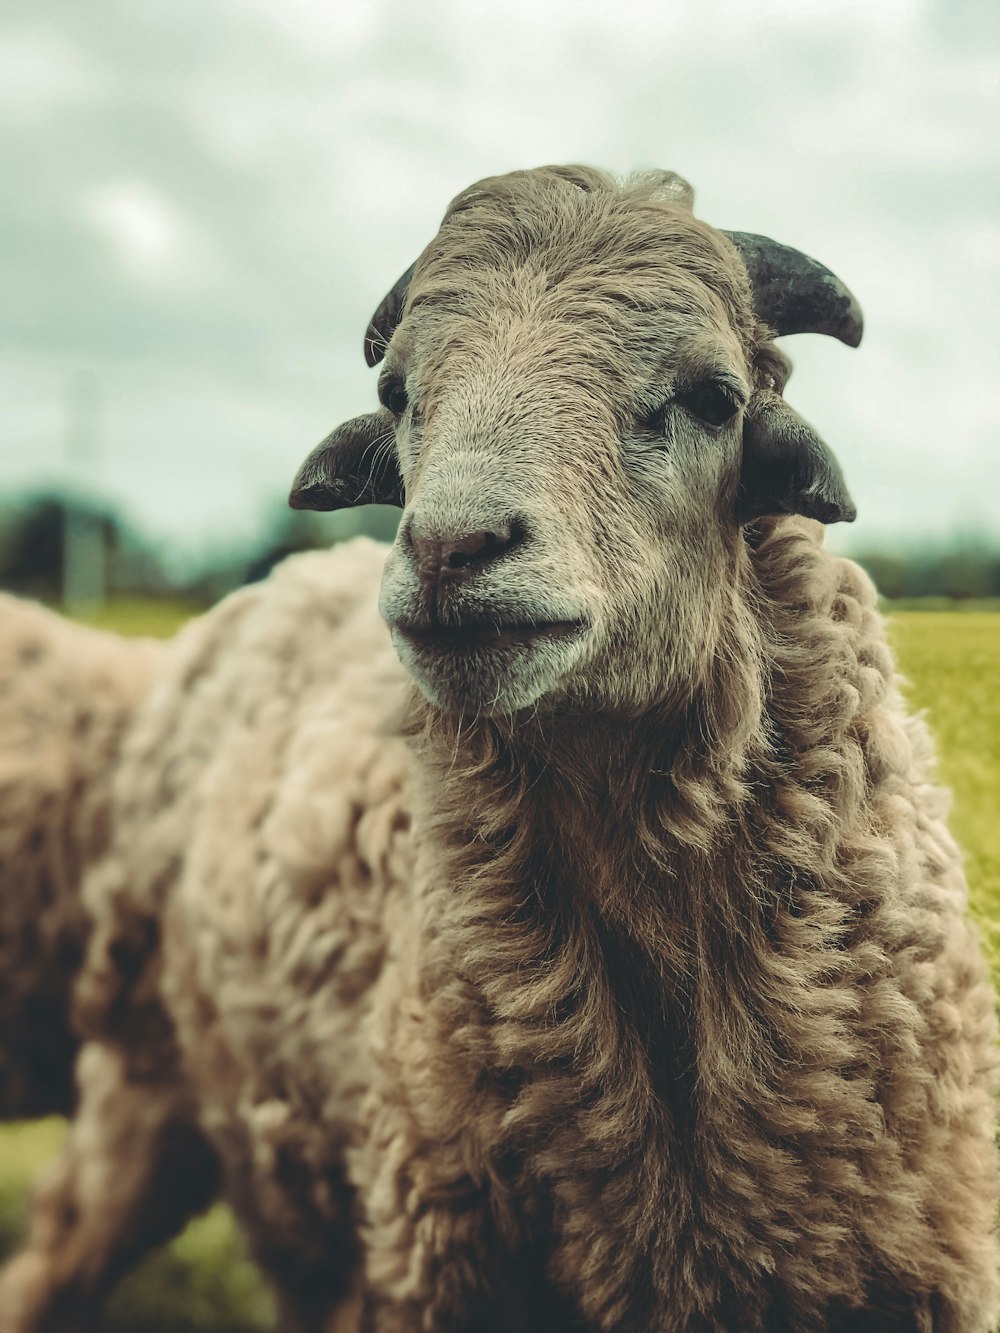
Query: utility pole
point(84, 559)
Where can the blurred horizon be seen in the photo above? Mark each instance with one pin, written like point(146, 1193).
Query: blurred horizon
point(204, 204)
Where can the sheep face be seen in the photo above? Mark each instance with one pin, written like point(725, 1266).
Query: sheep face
point(568, 399)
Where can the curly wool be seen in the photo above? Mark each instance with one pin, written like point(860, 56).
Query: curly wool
point(67, 695)
point(755, 1090)
point(671, 1024)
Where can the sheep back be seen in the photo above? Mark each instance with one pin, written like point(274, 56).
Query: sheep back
point(67, 696)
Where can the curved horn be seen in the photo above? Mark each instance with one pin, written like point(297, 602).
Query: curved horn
point(795, 294)
point(383, 323)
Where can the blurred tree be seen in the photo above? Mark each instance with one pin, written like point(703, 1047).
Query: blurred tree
point(959, 570)
point(33, 551)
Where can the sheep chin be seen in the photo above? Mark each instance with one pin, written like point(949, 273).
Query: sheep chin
point(491, 675)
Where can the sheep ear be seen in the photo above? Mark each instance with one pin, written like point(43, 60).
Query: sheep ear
point(355, 465)
point(787, 469)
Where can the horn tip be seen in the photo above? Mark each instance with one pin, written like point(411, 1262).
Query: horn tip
point(853, 325)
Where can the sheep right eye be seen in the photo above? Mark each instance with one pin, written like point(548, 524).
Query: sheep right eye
point(709, 402)
point(392, 394)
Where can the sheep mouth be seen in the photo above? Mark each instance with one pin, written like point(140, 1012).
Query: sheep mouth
point(488, 665)
point(485, 635)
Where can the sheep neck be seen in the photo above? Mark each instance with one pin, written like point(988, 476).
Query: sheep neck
point(658, 858)
point(588, 815)
point(591, 829)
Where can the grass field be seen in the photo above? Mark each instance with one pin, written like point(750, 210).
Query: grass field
point(204, 1282)
point(137, 616)
point(952, 662)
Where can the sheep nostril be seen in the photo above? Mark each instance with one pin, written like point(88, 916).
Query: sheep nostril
point(453, 556)
point(477, 548)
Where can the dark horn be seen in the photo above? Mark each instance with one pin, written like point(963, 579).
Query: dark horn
point(795, 294)
point(382, 324)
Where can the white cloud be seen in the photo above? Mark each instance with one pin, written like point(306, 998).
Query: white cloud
point(230, 188)
point(318, 25)
point(40, 72)
point(146, 233)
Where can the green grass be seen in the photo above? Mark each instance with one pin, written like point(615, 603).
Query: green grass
point(25, 1149)
point(141, 617)
point(953, 665)
point(204, 1281)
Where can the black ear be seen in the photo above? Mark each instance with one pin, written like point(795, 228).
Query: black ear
point(382, 324)
point(355, 465)
point(787, 469)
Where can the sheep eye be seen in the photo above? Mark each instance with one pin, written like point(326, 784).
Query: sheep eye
point(709, 402)
point(392, 394)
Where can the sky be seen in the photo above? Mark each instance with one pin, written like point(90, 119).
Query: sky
point(203, 200)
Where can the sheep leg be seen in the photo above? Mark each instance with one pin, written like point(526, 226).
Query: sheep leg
point(316, 1307)
point(297, 1211)
point(444, 1308)
point(134, 1169)
point(344, 1316)
point(340, 1314)
point(442, 1268)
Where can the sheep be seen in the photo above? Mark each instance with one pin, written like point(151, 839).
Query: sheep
point(66, 696)
point(134, 1162)
point(598, 959)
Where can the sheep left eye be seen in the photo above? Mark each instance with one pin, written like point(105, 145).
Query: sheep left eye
point(708, 402)
point(392, 394)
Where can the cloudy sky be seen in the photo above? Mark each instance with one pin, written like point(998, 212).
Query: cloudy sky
point(203, 200)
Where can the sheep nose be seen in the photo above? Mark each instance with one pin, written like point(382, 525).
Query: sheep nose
point(460, 555)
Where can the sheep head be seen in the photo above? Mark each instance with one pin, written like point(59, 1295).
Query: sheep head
point(581, 403)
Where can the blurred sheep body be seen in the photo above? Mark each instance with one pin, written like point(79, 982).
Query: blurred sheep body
point(67, 695)
point(608, 968)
